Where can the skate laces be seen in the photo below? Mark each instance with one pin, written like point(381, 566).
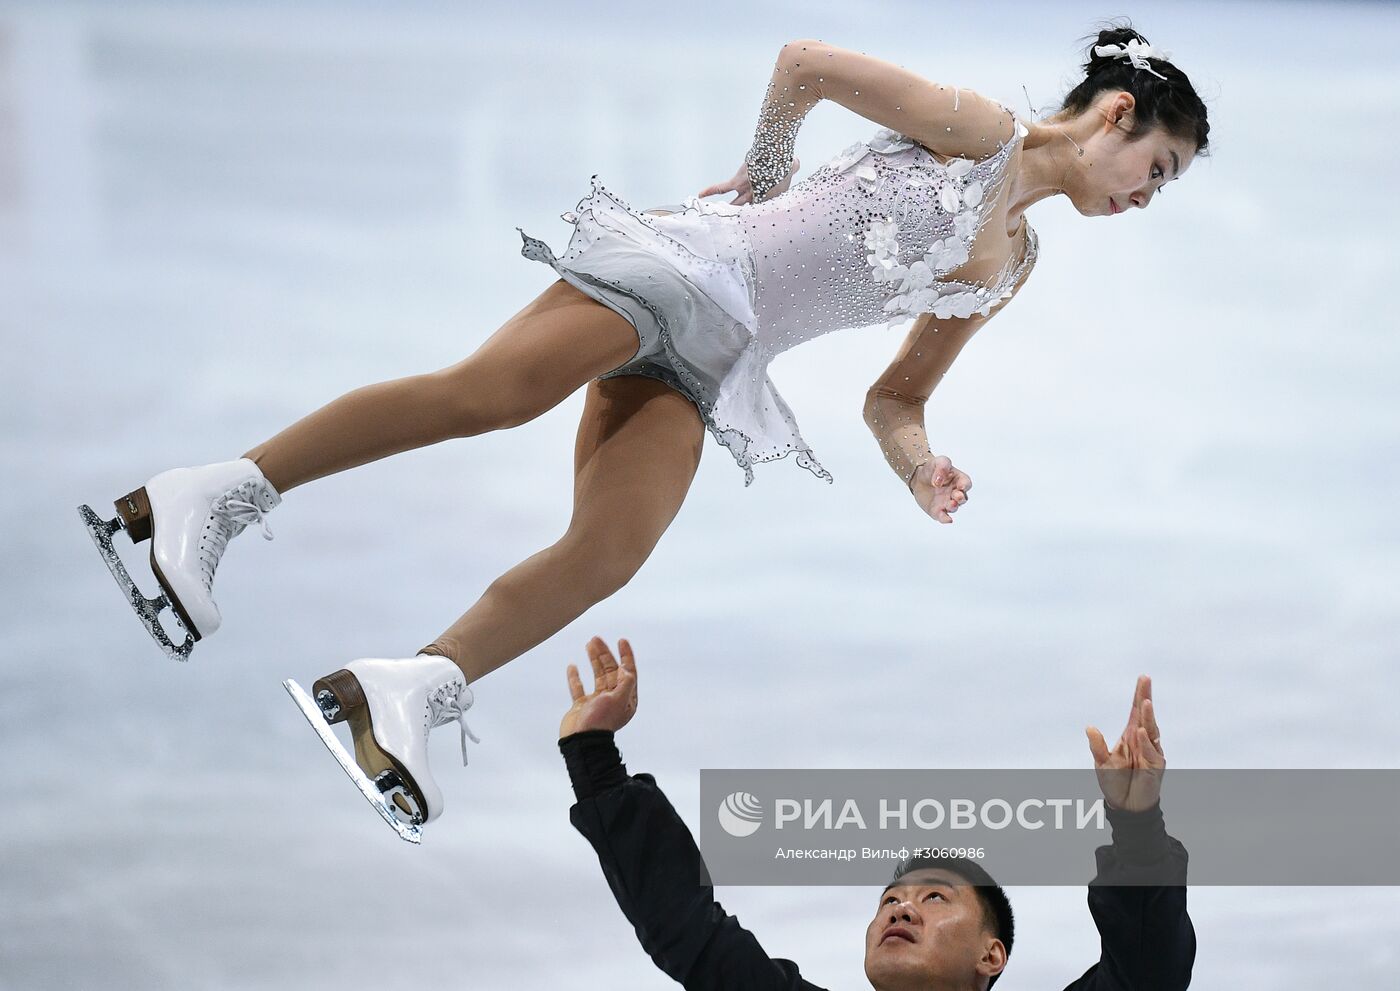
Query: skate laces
point(445, 707)
point(246, 513)
point(228, 516)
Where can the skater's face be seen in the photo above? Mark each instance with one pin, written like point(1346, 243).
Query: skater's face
point(1117, 172)
point(930, 931)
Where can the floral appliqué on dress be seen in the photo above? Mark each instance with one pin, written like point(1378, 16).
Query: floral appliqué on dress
point(916, 288)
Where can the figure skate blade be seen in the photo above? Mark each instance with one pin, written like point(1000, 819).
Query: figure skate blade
point(147, 610)
point(312, 712)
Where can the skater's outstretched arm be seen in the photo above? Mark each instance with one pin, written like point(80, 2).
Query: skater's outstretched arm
point(647, 854)
point(894, 408)
point(951, 120)
point(1138, 897)
point(945, 119)
point(894, 412)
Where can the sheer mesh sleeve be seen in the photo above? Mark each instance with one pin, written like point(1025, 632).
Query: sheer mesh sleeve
point(894, 405)
point(950, 120)
point(946, 119)
point(785, 104)
point(897, 421)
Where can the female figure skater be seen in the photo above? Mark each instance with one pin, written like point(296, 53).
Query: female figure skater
point(671, 319)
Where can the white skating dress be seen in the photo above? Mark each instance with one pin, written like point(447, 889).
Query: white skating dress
point(717, 291)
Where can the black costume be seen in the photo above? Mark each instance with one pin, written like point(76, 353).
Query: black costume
point(654, 869)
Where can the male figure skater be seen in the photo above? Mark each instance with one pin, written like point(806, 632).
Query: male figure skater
point(939, 926)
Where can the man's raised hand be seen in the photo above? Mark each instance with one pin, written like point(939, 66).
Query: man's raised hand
point(614, 697)
point(1130, 775)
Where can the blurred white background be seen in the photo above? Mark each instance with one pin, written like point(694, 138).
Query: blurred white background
point(215, 218)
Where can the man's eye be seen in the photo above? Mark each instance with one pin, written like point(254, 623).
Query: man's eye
point(888, 899)
point(934, 894)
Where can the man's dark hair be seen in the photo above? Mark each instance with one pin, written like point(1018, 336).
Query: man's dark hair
point(996, 907)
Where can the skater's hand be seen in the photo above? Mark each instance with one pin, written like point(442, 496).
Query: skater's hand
point(1130, 775)
point(614, 697)
point(740, 184)
point(939, 488)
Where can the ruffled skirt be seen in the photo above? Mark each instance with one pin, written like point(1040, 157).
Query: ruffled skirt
point(685, 282)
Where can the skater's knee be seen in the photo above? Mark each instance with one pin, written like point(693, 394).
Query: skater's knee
point(479, 398)
point(605, 563)
point(607, 579)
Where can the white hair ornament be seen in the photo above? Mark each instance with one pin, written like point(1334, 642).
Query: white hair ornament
point(1137, 52)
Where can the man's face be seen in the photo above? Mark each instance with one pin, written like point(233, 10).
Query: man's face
point(928, 931)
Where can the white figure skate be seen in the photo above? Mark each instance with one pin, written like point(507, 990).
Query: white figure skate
point(391, 706)
point(189, 515)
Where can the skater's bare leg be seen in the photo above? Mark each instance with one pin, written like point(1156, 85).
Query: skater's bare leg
point(638, 447)
point(532, 363)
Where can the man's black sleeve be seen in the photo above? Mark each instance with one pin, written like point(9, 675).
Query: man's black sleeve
point(1147, 938)
point(656, 872)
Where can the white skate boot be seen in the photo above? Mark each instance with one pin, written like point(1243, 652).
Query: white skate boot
point(391, 705)
point(189, 515)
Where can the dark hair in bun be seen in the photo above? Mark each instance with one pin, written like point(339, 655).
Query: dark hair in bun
point(1170, 103)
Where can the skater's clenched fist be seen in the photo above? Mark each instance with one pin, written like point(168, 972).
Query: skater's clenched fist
point(939, 488)
point(614, 697)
